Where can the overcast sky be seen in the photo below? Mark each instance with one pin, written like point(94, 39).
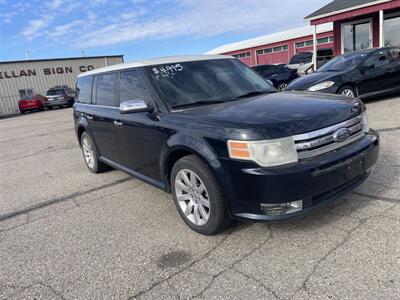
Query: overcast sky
point(139, 28)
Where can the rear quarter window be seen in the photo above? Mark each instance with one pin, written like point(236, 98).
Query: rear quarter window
point(84, 89)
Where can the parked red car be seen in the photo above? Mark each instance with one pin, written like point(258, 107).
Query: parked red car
point(31, 102)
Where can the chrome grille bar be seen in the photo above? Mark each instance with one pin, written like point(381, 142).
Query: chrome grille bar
point(322, 141)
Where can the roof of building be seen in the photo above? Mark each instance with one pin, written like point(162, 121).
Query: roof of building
point(155, 61)
point(339, 6)
point(271, 38)
point(55, 59)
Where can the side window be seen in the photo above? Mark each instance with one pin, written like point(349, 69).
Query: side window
point(132, 86)
point(84, 89)
point(378, 59)
point(105, 89)
point(395, 54)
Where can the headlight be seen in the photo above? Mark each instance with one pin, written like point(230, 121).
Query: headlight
point(266, 153)
point(365, 122)
point(321, 86)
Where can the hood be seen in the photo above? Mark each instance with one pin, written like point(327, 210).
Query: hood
point(278, 114)
point(307, 81)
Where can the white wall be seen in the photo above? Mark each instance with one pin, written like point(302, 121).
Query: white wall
point(42, 75)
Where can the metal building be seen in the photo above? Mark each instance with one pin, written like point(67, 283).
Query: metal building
point(19, 78)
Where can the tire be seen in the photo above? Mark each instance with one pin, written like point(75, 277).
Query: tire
point(206, 221)
point(23, 112)
point(282, 86)
point(348, 91)
point(49, 107)
point(90, 155)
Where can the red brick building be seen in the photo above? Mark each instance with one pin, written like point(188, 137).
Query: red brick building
point(279, 47)
point(359, 24)
point(344, 25)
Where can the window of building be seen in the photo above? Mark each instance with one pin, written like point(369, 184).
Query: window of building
point(25, 92)
point(105, 89)
point(309, 43)
point(259, 52)
point(356, 36)
point(300, 45)
point(84, 89)
point(323, 40)
point(391, 34)
point(132, 86)
point(267, 50)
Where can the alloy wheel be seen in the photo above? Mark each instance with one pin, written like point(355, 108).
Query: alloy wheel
point(282, 87)
point(347, 92)
point(88, 152)
point(192, 197)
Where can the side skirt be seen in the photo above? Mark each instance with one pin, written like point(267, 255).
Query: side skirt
point(140, 176)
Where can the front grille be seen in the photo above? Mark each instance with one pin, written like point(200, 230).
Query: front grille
point(330, 138)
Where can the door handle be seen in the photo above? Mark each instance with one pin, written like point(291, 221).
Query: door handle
point(89, 117)
point(117, 123)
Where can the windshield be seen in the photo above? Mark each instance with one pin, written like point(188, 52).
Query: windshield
point(301, 58)
point(344, 62)
point(55, 92)
point(206, 81)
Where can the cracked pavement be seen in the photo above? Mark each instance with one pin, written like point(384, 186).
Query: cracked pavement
point(68, 234)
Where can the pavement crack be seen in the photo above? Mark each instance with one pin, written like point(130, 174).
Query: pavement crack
point(386, 199)
point(57, 293)
point(258, 281)
point(388, 129)
point(59, 199)
point(232, 265)
point(333, 249)
point(205, 255)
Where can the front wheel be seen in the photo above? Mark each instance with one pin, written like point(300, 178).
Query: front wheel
point(282, 86)
point(347, 91)
point(198, 196)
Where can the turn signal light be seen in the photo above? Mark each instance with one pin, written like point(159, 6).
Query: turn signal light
point(238, 150)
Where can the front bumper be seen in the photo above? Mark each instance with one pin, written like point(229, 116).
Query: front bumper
point(318, 181)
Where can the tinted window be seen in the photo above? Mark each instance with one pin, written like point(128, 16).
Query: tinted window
point(378, 59)
point(105, 89)
point(395, 53)
point(55, 92)
point(305, 57)
point(344, 62)
point(84, 89)
point(132, 86)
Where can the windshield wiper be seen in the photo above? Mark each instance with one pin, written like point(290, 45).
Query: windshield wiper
point(253, 93)
point(198, 103)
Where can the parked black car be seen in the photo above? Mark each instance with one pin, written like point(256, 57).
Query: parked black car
point(363, 74)
point(212, 132)
point(279, 75)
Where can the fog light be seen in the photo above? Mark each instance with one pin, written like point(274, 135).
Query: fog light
point(282, 208)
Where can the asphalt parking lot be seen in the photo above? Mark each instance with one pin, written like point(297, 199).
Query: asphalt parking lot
point(68, 234)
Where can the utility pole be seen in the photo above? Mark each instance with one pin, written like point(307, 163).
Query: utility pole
point(27, 54)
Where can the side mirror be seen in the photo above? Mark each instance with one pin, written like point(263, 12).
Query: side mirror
point(133, 106)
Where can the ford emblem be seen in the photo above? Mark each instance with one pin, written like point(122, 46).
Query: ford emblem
point(341, 134)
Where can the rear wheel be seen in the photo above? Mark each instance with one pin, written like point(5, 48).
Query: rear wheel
point(198, 196)
point(90, 155)
point(282, 86)
point(347, 91)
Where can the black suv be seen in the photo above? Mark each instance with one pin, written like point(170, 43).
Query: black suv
point(364, 73)
point(279, 75)
point(212, 132)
